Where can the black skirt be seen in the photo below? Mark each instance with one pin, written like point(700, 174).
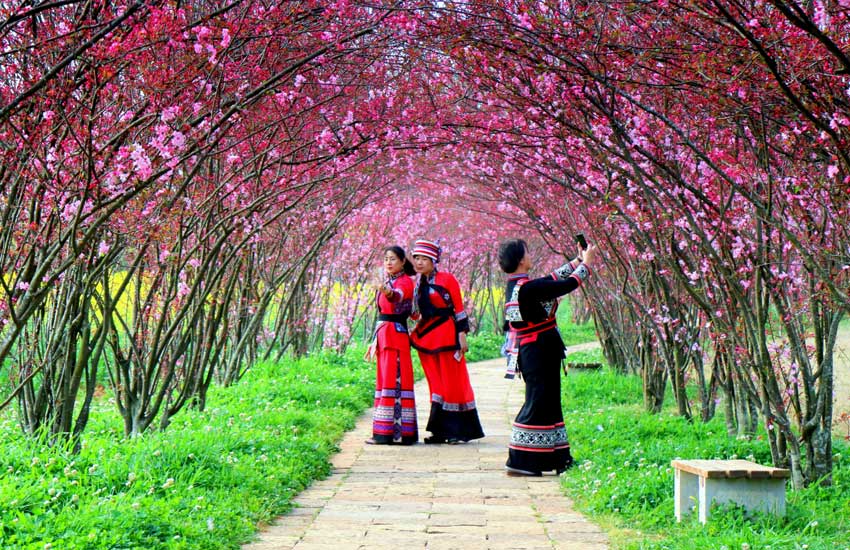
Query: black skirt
point(539, 440)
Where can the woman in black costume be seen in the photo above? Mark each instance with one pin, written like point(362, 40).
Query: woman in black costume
point(538, 437)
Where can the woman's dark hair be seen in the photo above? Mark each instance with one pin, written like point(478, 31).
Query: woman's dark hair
point(511, 254)
point(406, 266)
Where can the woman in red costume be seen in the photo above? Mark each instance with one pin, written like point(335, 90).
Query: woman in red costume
point(394, 419)
point(440, 339)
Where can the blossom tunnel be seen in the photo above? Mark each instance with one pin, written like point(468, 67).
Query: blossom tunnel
point(193, 180)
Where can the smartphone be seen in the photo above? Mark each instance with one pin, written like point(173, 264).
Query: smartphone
point(582, 242)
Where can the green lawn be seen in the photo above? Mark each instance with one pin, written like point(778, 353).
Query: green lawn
point(205, 483)
point(212, 477)
point(624, 481)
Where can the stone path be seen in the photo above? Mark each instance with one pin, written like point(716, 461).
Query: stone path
point(435, 496)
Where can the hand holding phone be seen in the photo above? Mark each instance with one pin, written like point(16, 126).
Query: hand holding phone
point(582, 242)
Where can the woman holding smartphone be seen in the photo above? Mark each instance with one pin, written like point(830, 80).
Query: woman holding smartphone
point(538, 436)
point(394, 419)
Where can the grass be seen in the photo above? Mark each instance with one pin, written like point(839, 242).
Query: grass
point(573, 333)
point(212, 477)
point(483, 346)
point(205, 483)
point(625, 483)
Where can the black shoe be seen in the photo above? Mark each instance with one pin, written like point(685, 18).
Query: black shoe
point(434, 440)
point(454, 441)
point(566, 467)
point(514, 472)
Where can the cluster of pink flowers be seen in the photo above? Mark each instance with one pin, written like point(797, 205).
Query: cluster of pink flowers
point(221, 158)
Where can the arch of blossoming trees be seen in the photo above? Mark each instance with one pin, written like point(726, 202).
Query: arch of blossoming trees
point(183, 182)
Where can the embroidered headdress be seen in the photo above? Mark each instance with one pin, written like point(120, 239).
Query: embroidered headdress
point(429, 249)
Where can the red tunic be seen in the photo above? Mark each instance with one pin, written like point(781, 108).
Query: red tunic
point(394, 334)
point(394, 418)
point(454, 416)
point(439, 331)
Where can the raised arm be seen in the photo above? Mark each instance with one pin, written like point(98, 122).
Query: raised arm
point(403, 289)
point(560, 282)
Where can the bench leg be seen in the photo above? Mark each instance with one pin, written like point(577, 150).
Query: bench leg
point(706, 496)
point(686, 491)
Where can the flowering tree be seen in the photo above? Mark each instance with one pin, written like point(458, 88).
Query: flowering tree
point(722, 222)
point(409, 208)
point(145, 158)
point(183, 183)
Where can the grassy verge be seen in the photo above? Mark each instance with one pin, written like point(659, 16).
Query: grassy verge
point(487, 344)
point(205, 483)
point(573, 333)
point(625, 483)
point(483, 346)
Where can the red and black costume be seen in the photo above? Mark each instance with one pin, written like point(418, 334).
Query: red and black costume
point(394, 419)
point(538, 437)
point(439, 307)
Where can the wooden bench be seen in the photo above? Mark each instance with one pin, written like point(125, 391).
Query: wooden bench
point(753, 486)
point(585, 366)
